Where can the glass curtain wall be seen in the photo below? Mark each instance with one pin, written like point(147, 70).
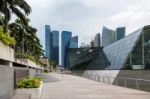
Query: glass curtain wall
point(139, 58)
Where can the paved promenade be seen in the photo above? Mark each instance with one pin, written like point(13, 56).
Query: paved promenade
point(73, 87)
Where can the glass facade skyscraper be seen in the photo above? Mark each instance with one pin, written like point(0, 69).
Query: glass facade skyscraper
point(55, 46)
point(108, 37)
point(97, 40)
point(51, 44)
point(47, 41)
point(120, 33)
point(73, 43)
point(65, 38)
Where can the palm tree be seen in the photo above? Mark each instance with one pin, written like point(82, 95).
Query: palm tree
point(18, 7)
point(26, 38)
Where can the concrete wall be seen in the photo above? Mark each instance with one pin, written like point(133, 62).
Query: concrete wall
point(6, 52)
point(26, 62)
point(21, 73)
point(32, 72)
point(6, 82)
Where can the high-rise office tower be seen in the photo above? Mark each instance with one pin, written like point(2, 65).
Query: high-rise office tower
point(92, 43)
point(73, 43)
point(55, 47)
point(65, 38)
point(108, 37)
point(47, 41)
point(51, 44)
point(97, 40)
point(120, 33)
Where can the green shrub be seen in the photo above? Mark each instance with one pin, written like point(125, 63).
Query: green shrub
point(29, 83)
point(32, 58)
point(45, 71)
point(6, 39)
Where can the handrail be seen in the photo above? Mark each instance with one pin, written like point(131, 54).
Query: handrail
point(108, 78)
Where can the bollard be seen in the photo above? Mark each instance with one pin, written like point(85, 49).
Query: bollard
point(99, 78)
point(109, 80)
point(116, 81)
point(125, 83)
point(103, 79)
point(137, 85)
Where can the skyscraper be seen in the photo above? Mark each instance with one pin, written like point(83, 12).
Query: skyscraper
point(120, 33)
point(65, 37)
point(108, 37)
point(97, 40)
point(73, 43)
point(92, 43)
point(55, 47)
point(47, 41)
point(51, 44)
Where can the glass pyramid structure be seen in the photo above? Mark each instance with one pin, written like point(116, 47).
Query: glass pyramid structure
point(131, 52)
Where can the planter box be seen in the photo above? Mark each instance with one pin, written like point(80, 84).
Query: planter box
point(6, 52)
point(26, 62)
point(32, 93)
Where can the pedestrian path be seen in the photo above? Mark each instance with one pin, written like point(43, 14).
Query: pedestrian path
point(73, 87)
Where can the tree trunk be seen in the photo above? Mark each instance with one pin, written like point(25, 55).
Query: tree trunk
point(6, 18)
point(6, 25)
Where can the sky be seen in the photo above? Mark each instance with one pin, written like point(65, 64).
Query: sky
point(86, 18)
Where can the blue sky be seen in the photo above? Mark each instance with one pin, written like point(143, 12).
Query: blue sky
point(85, 18)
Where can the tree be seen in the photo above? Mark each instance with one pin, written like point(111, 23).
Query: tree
point(53, 64)
point(18, 7)
point(26, 40)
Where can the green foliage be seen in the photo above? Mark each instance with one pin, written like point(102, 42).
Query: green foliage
point(31, 58)
point(53, 64)
point(6, 39)
point(20, 55)
point(45, 71)
point(29, 83)
point(26, 39)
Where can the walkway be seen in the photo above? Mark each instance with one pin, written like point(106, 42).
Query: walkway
point(73, 87)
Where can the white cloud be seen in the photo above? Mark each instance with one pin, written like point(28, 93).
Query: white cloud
point(86, 17)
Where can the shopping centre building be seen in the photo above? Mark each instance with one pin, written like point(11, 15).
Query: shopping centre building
point(131, 52)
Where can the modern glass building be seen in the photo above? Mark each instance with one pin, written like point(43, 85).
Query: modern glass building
point(55, 46)
point(73, 43)
point(120, 33)
point(90, 58)
point(108, 37)
point(131, 52)
point(47, 41)
point(65, 38)
point(97, 40)
point(51, 44)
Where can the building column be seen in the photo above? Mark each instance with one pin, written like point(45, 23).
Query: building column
point(143, 56)
point(10, 64)
point(131, 60)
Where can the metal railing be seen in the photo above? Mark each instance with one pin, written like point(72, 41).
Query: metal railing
point(118, 81)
